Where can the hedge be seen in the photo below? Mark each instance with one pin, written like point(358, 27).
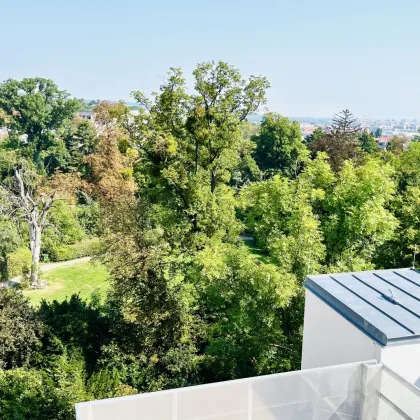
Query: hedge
point(84, 248)
point(19, 262)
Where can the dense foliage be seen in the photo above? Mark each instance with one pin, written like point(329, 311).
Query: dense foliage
point(164, 196)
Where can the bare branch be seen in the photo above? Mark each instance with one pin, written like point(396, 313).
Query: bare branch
point(23, 195)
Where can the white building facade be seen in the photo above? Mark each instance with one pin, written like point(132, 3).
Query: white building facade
point(362, 316)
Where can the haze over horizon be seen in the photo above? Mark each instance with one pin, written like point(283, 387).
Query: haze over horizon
point(320, 57)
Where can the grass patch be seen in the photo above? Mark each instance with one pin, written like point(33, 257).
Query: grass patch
point(258, 253)
point(82, 278)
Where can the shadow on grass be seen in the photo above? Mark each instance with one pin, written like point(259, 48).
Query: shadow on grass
point(259, 253)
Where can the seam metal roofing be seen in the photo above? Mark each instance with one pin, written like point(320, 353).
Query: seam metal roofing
point(384, 304)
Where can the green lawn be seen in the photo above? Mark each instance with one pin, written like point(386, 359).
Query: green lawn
point(259, 254)
point(81, 277)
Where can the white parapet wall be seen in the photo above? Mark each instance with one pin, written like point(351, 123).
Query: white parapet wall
point(355, 391)
point(309, 394)
point(404, 358)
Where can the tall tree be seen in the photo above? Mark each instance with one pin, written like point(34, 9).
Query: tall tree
point(80, 141)
point(341, 143)
point(346, 124)
point(368, 142)
point(356, 219)
point(35, 111)
point(183, 247)
point(398, 251)
point(279, 146)
point(190, 145)
point(108, 169)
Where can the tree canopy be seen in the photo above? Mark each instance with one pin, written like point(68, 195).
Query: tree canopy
point(207, 224)
point(34, 112)
point(279, 146)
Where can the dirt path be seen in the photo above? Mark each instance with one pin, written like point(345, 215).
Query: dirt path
point(46, 267)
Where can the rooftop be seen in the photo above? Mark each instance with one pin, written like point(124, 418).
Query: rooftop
point(384, 304)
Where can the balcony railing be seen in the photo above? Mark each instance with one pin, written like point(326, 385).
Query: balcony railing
point(365, 390)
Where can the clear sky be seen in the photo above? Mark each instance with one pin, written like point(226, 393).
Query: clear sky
point(320, 55)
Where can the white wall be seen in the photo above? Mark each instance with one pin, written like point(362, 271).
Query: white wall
point(329, 339)
point(335, 392)
point(405, 360)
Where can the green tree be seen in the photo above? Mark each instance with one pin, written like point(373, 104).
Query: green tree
point(249, 129)
point(356, 219)
point(417, 136)
point(279, 146)
point(38, 394)
point(368, 143)
point(317, 134)
point(398, 251)
point(80, 142)
point(342, 142)
point(191, 146)
point(20, 330)
point(378, 133)
point(35, 111)
point(66, 228)
point(10, 237)
point(397, 145)
point(182, 248)
point(407, 165)
point(242, 300)
point(280, 212)
point(322, 220)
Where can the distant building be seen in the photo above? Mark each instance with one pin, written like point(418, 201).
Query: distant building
point(307, 129)
point(383, 141)
point(87, 115)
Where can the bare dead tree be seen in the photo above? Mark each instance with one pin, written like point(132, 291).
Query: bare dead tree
point(35, 212)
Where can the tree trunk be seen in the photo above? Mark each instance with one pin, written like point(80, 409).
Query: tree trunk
point(4, 268)
point(196, 156)
point(35, 245)
point(36, 253)
point(213, 181)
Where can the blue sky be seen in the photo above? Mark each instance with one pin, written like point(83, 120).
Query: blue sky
point(320, 56)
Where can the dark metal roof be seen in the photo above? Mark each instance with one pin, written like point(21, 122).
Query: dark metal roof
point(384, 304)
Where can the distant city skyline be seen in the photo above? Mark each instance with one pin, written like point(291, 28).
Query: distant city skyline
point(320, 57)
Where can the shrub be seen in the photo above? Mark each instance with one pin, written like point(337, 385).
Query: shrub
point(20, 330)
point(41, 394)
point(85, 248)
point(67, 230)
point(19, 262)
point(107, 384)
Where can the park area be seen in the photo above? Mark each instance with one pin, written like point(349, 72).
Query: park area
point(79, 277)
